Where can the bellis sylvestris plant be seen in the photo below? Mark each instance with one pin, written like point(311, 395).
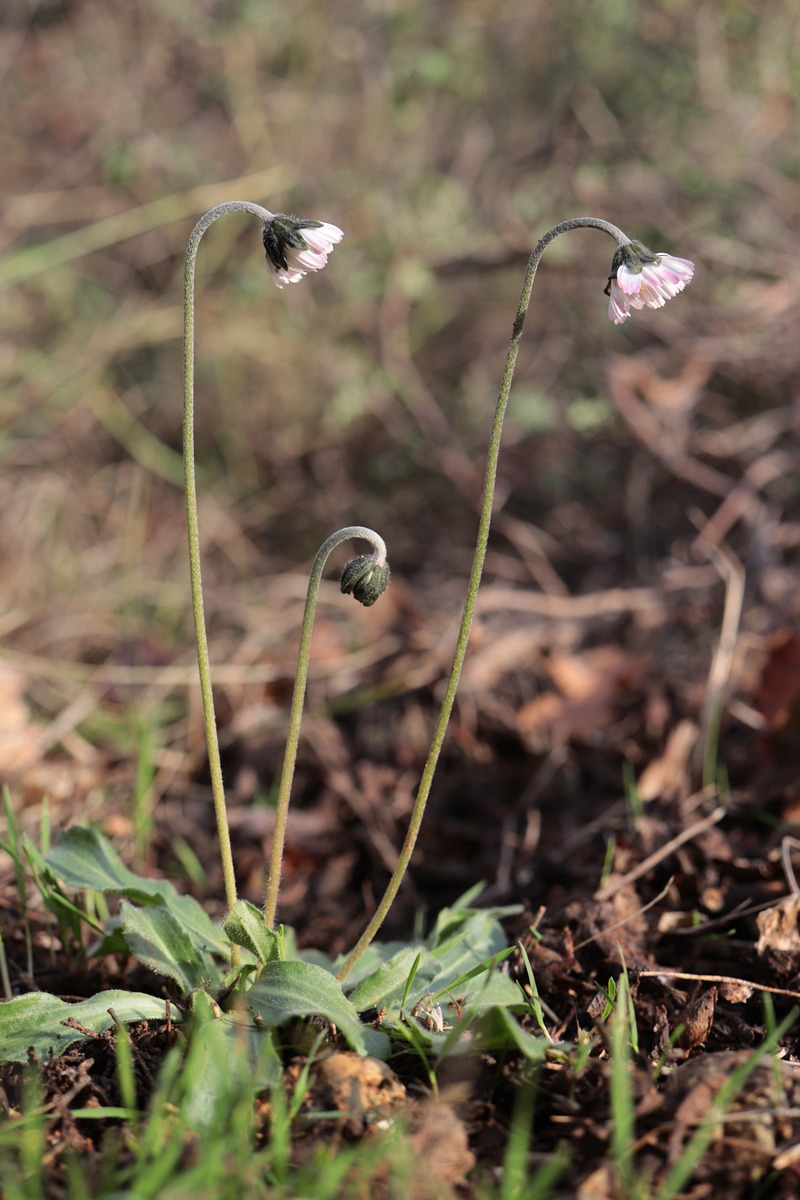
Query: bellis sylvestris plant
point(294, 247)
point(638, 279)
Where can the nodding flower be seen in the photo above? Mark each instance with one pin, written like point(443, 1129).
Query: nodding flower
point(294, 246)
point(641, 279)
point(366, 577)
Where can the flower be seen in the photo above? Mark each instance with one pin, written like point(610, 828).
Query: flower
point(294, 246)
point(641, 279)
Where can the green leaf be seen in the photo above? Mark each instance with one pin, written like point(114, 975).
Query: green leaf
point(159, 941)
point(387, 984)
point(455, 919)
point(375, 955)
point(84, 859)
point(480, 938)
point(245, 926)
point(300, 989)
point(35, 1020)
point(486, 989)
point(497, 1029)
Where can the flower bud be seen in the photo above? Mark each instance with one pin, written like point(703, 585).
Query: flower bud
point(366, 578)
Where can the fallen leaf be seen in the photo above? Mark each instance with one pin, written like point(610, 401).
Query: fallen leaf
point(599, 1185)
point(591, 688)
point(778, 695)
point(698, 1019)
point(777, 926)
point(362, 1090)
point(736, 993)
point(666, 775)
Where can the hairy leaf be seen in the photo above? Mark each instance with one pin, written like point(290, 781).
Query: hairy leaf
point(387, 985)
point(300, 989)
point(245, 927)
point(35, 1021)
point(83, 858)
point(159, 941)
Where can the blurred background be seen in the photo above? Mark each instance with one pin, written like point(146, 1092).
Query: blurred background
point(444, 137)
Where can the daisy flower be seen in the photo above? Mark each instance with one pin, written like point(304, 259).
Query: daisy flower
point(641, 279)
point(294, 246)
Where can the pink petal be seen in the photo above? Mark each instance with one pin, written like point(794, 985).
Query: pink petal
point(628, 280)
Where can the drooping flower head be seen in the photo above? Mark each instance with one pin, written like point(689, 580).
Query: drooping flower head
point(367, 577)
point(294, 246)
point(641, 279)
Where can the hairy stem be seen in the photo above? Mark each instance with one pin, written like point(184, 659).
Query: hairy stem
point(190, 484)
point(298, 697)
point(474, 578)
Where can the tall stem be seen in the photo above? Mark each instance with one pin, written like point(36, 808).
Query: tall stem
point(474, 578)
point(298, 697)
point(190, 482)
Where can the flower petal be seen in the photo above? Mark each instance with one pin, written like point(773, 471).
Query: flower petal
point(628, 280)
point(646, 280)
point(618, 305)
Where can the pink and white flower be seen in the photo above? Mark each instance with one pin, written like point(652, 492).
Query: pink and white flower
point(294, 247)
point(641, 279)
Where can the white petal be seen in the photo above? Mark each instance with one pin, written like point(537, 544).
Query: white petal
point(323, 237)
point(628, 280)
point(618, 306)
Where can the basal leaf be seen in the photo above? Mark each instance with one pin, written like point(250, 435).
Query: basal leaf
point(83, 858)
point(454, 920)
point(387, 984)
point(158, 940)
point(375, 955)
point(35, 1020)
point(485, 989)
point(497, 1029)
point(300, 989)
point(480, 938)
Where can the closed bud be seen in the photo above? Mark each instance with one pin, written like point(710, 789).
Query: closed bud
point(365, 578)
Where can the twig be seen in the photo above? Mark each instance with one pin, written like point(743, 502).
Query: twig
point(693, 831)
point(744, 497)
point(602, 603)
point(719, 674)
point(757, 987)
point(624, 920)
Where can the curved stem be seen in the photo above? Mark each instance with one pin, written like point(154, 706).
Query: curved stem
point(474, 578)
point(190, 484)
point(298, 697)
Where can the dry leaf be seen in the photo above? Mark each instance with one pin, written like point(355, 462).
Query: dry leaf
point(736, 993)
point(698, 1020)
point(19, 733)
point(666, 775)
point(591, 686)
point(777, 927)
point(778, 697)
point(600, 1185)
